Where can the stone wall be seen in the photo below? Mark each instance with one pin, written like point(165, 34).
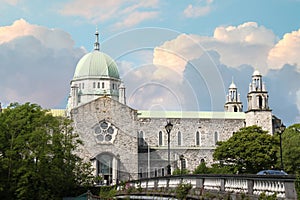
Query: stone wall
point(260, 118)
point(210, 131)
point(124, 145)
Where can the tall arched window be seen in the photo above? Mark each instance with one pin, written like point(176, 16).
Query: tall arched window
point(197, 138)
point(216, 137)
point(98, 84)
point(160, 137)
point(141, 138)
point(259, 101)
point(179, 138)
point(102, 84)
point(94, 85)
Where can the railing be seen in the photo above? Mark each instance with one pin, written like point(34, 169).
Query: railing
point(253, 185)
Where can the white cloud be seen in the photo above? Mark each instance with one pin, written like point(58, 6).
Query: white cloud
point(286, 51)
point(246, 34)
point(176, 53)
point(247, 43)
point(51, 38)
point(130, 12)
point(36, 65)
point(194, 11)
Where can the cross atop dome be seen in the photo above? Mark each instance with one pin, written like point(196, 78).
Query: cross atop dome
point(96, 44)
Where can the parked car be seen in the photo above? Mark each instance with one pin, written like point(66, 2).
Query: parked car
point(272, 172)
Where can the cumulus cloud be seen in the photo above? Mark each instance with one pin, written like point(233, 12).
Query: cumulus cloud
point(128, 13)
point(51, 38)
point(175, 54)
point(37, 64)
point(236, 51)
point(286, 51)
point(194, 11)
point(237, 45)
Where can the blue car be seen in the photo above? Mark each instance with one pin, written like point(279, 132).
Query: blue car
point(272, 172)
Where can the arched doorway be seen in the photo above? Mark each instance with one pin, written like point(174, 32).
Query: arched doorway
point(107, 168)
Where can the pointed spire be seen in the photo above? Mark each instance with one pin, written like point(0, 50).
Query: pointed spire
point(96, 44)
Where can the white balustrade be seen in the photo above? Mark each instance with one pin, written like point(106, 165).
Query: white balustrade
point(212, 184)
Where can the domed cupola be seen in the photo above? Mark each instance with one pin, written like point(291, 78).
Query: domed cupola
point(233, 101)
point(96, 75)
point(96, 64)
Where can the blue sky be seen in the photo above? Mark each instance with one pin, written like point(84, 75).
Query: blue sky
point(172, 55)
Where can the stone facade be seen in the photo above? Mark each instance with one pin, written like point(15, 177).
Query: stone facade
point(123, 143)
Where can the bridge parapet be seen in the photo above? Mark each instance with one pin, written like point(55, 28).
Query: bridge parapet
point(252, 185)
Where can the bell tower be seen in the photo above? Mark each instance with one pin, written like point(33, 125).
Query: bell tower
point(233, 101)
point(257, 95)
point(258, 112)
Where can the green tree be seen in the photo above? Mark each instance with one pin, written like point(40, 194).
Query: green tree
point(37, 159)
point(202, 169)
point(248, 151)
point(291, 149)
point(214, 169)
point(178, 171)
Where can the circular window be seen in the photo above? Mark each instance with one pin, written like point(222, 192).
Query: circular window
point(105, 132)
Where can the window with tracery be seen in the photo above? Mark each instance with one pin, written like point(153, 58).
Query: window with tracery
point(105, 132)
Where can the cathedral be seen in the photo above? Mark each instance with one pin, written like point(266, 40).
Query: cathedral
point(123, 143)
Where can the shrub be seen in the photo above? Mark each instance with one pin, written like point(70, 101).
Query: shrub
point(182, 190)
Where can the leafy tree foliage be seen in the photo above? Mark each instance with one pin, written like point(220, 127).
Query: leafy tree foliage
point(214, 169)
point(178, 171)
point(249, 150)
point(37, 159)
point(291, 149)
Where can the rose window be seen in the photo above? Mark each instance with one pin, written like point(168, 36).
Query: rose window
point(105, 132)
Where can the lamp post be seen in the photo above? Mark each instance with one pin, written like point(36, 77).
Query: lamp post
point(168, 128)
point(280, 131)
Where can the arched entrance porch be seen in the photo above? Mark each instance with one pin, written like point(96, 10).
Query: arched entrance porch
point(107, 165)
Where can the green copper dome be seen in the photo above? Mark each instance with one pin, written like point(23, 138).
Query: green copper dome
point(95, 65)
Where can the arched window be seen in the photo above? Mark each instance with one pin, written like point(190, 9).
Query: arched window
point(141, 138)
point(235, 108)
point(202, 160)
point(179, 138)
point(260, 102)
point(105, 167)
point(160, 137)
point(183, 164)
point(102, 84)
point(98, 84)
point(197, 138)
point(82, 85)
point(216, 137)
point(94, 85)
